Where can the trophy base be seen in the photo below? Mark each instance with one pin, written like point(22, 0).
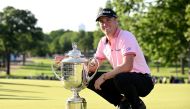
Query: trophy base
point(76, 103)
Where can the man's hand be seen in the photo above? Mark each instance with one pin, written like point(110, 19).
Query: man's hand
point(92, 65)
point(58, 59)
point(99, 82)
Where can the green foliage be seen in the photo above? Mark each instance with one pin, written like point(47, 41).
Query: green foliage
point(85, 40)
point(167, 25)
point(18, 32)
point(125, 9)
point(187, 17)
point(97, 36)
point(62, 41)
point(65, 41)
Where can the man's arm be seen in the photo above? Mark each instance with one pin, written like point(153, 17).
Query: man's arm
point(126, 66)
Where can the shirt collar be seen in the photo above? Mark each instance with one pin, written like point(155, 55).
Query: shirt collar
point(117, 32)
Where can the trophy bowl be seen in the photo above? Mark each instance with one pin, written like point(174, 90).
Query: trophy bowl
point(73, 75)
point(71, 71)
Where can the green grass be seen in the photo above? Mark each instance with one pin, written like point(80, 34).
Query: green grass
point(169, 96)
point(33, 67)
point(42, 94)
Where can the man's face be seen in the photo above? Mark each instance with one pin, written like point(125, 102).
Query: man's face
point(108, 25)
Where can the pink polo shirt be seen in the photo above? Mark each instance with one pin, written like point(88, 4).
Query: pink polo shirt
point(123, 43)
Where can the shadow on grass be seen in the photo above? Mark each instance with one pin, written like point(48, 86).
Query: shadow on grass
point(13, 90)
point(16, 97)
point(1, 95)
point(22, 98)
point(7, 83)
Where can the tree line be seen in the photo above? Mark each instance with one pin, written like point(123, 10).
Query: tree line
point(162, 28)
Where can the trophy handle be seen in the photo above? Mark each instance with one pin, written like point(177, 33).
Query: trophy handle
point(89, 78)
point(54, 70)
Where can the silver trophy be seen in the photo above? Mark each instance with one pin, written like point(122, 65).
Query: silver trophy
point(73, 72)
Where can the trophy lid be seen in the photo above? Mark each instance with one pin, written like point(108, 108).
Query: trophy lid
point(74, 56)
point(75, 53)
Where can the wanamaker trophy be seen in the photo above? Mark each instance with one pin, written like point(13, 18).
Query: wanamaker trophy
point(73, 72)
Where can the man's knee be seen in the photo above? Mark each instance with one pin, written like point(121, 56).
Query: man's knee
point(122, 81)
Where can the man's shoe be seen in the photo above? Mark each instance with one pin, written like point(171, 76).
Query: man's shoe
point(124, 105)
point(142, 105)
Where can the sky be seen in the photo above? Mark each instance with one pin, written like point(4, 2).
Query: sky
point(60, 14)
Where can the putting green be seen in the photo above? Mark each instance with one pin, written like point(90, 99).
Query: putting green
point(42, 94)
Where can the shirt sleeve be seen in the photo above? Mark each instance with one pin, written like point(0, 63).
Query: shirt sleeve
point(99, 52)
point(129, 44)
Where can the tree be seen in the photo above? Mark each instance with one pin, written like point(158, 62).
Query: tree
point(125, 10)
point(187, 17)
point(187, 33)
point(85, 40)
point(65, 41)
point(166, 25)
point(53, 41)
point(18, 31)
point(39, 43)
point(97, 36)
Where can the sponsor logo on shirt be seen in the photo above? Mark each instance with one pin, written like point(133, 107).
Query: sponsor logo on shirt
point(128, 49)
point(117, 49)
